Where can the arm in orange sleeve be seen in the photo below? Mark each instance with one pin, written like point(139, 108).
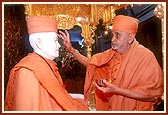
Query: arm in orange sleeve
point(109, 89)
point(81, 58)
point(26, 90)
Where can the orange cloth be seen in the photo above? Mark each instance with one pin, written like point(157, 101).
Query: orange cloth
point(36, 24)
point(138, 70)
point(125, 23)
point(33, 86)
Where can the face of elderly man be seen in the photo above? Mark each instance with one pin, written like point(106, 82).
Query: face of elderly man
point(45, 44)
point(50, 45)
point(121, 41)
point(124, 29)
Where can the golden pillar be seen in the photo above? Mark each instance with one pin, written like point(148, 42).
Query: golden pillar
point(87, 33)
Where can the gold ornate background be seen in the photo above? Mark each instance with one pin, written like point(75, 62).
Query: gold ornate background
point(67, 14)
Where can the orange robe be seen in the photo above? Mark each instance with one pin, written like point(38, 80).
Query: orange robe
point(137, 70)
point(33, 86)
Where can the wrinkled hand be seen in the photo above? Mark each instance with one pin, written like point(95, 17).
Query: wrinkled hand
point(108, 89)
point(66, 41)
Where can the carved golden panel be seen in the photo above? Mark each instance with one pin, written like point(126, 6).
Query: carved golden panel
point(102, 12)
point(65, 14)
point(56, 9)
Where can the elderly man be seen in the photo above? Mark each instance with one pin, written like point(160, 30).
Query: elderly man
point(128, 75)
point(35, 83)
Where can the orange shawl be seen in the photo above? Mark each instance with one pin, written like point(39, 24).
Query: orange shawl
point(139, 71)
point(53, 85)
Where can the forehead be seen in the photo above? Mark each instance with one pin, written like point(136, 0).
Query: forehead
point(51, 34)
point(49, 37)
point(118, 31)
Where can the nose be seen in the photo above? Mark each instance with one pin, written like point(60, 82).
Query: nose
point(113, 39)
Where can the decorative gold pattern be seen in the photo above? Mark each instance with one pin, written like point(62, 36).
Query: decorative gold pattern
point(88, 43)
point(66, 15)
point(66, 21)
point(75, 10)
point(92, 100)
point(105, 12)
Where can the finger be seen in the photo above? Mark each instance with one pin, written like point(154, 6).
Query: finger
point(106, 82)
point(63, 34)
point(64, 37)
point(97, 86)
point(60, 36)
point(67, 33)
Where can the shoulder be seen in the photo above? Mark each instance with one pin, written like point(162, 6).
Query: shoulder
point(106, 53)
point(101, 58)
point(25, 74)
point(143, 52)
point(31, 61)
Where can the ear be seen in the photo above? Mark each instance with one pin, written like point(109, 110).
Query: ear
point(38, 43)
point(131, 38)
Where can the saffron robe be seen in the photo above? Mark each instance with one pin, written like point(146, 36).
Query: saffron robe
point(32, 86)
point(136, 70)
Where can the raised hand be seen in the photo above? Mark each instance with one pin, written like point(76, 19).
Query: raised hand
point(66, 41)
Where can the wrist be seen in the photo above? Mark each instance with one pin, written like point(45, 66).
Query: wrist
point(72, 50)
point(117, 90)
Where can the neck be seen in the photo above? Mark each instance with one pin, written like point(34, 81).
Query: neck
point(124, 51)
